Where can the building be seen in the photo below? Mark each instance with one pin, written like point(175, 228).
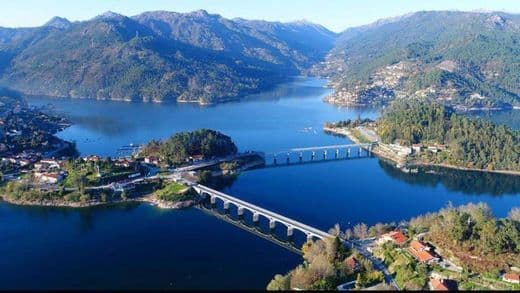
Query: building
point(195, 158)
point(48, 164)
point(352, 263)
point(152, 160)
point(396, 237)
point(123, 162)
point(51, 178)
point(92, 158)
point(422, 252)
point(511, 278)
point(436, 284)
point(417, 147)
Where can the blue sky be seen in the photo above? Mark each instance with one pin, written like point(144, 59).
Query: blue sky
point(334, 14)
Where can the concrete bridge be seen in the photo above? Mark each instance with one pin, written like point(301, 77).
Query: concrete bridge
point(258, 212)
point(325, 151)
point(253, 230)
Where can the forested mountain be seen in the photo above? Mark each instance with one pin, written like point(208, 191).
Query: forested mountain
point(466, 59)
point(158, 56)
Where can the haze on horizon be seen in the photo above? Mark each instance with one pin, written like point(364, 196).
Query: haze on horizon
point(336, 15)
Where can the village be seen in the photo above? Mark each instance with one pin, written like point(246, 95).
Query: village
point(412, 260)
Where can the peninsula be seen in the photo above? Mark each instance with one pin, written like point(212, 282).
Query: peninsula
point(153, 174)
point(417, 132)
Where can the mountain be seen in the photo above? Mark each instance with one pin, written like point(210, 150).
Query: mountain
point(158, 56)
point(465, 59)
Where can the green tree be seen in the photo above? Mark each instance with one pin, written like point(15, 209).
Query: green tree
point(279, 283)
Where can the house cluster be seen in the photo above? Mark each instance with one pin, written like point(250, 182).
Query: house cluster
point(22, 159)
point(153, 160)
point(423, 253)
point(49, 171)
point(419, 250)
point(434, 148)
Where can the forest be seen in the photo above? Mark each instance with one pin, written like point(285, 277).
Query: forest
point(180, 146)
point(471, 143)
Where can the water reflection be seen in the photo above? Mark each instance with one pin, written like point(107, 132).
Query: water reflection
point(510, 118)
point(467, 182)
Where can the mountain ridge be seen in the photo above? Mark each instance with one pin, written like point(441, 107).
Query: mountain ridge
point(156, 56)
point(465, 59)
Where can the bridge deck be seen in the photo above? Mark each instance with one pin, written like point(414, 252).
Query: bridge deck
point(325, 147)
point(267, 213)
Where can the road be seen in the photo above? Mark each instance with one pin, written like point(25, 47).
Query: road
point(362, 247)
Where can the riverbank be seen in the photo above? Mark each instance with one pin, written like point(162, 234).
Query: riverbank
point(376, 148)
point(148, 198)
point(385, 151)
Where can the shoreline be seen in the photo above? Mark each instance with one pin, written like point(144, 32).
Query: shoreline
point(148, 198)
point(403, 160)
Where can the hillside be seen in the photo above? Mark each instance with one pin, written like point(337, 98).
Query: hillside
point(467, 143)
point(157, 56)
point(464, 59)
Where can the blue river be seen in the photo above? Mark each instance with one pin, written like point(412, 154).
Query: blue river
point(137, 246)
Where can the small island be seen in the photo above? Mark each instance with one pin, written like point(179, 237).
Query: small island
point(417, 132)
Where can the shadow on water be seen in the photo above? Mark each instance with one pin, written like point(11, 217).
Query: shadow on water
point(467, 182)
point(253, 229)
point(86, 215)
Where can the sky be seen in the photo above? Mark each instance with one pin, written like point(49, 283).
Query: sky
point(336, 15)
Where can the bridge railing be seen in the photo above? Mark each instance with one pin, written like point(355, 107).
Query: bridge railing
point(253, 208)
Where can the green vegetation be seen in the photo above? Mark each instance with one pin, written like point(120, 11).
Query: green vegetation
point(471, 143)
point(158, 56)
point(348, 123)
point(178, 148)
point(409, 274)
point(468, 235)
point(325, 268)
point(467, 58)
point(175, 192)
point(472, 230)
point(83, 173)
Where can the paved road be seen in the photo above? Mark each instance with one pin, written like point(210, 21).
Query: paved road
point(379, 265)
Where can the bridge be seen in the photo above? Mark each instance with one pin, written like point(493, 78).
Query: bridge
point(257, 212)
point(336, 149)
point(253, 230)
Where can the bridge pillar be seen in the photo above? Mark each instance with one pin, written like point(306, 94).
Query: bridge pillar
point(288, 157)
point(272, 224)
point(309, 237)
point(274, 159)
point(348, 152)
point(240, 211)
point(359, 151)
point(325, 154)
point(290, 231)
point(256, 217)
point(226, 205)
point(337, 153)
point(313, 155)
point(213, 199)
point(300, 156)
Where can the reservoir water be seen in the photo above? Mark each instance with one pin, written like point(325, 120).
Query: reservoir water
point(140, 246)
